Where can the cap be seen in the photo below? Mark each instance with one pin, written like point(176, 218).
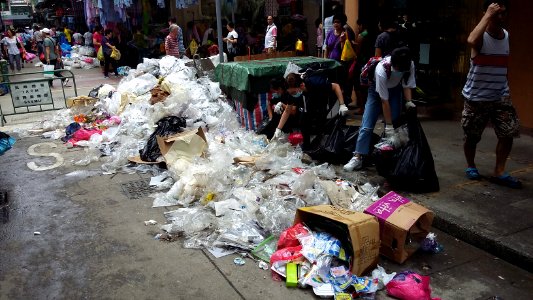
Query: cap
point(45, 30)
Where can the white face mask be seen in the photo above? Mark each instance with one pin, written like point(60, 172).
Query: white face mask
point(397, 74)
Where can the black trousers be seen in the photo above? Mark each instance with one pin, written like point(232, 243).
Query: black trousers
point(109, 61)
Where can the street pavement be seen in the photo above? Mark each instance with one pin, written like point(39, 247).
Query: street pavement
point(94, 244)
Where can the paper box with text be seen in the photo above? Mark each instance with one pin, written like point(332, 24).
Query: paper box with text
point(357, 232)
point(403, 225)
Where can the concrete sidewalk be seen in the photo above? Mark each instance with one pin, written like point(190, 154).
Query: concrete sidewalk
point(494, 218)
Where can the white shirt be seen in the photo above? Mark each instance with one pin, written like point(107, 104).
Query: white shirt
point(232, 35)
point(383, 84)
point(206, 35)
point(270, 36)
point(11, 44)
point(328, 25)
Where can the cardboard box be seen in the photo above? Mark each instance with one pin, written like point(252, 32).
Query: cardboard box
point(184, 145)
point(403, 225)
point(357, 232)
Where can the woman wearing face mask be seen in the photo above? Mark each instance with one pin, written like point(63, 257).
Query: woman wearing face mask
point(276, 107)
point(310, 98)
point(394, 74)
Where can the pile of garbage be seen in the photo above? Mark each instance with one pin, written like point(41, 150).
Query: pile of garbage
point(235, 190)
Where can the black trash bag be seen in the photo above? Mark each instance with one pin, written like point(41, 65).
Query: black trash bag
point(165, 127)
point(94, 92)
point(410, 168)
point(336, 143)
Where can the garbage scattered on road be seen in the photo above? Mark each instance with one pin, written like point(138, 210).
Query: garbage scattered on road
point(232, 191)
point(431, 245)
point(150, 222)
point(239, 261)
point(263, 265)
point(409, 285)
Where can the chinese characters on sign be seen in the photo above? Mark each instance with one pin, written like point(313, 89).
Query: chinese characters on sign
point(30, 94)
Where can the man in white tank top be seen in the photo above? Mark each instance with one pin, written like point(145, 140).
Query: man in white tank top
point(486, 93)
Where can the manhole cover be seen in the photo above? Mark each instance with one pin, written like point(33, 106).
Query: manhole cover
point(136, 189)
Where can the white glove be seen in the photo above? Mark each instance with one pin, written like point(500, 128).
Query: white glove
point(278, 108)
point(277, 134)
point(389, 131)
point(343, 109)
point(409, 105)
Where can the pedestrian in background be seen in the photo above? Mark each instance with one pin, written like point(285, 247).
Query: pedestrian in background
point(486, 93)
point(231, 40)
point(12, 47)
point(271, 36)
point(107, 49)
point(171, 42)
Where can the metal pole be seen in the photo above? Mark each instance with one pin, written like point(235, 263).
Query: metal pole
point(323, 31)
point(219, 30)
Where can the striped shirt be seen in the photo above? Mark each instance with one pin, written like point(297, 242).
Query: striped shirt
point(171, 46)
point(487, 78)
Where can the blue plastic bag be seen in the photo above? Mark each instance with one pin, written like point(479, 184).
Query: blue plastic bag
point(6, 142)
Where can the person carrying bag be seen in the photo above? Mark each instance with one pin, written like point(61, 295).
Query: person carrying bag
point(52, 56)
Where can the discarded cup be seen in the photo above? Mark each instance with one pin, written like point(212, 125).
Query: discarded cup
point(239, 261)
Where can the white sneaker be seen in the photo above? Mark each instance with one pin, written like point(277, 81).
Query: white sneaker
point(354, 164)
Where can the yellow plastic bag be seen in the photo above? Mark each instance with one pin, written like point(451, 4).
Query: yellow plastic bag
point(100, 54)
point(193, 46)
point(115, 54)
point(299, 45)
point(348, 53)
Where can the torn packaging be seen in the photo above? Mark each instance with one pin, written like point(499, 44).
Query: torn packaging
point(184, 145)
point(357, 232)
point(403, 225)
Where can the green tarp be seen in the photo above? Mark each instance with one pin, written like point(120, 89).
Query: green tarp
point(238, 75)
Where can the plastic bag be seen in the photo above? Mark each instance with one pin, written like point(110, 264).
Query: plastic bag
point(291, 68)
point(30, 56)
point(411, 168)
point(166, 126)
point(115, 54)
point(49, 71)
point(100, 54)
point(286, 255)
point(288, 237)
point(6, 142)
point(410, 286)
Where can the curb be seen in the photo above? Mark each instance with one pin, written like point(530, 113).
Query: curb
point(522, 260)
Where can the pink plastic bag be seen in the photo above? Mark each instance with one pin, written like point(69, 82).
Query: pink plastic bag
point(30, 56)
point(410, 286)
point(83, 135)
point(288, 237)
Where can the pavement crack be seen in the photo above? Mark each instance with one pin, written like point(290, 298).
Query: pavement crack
point(223, 275)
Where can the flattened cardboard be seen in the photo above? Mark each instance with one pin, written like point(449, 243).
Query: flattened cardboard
point(183, 145)
point(403, 225)
point(357, 232)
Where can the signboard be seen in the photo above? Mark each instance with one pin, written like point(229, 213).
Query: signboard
point(31, 93)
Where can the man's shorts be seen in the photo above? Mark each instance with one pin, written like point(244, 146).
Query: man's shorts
point(501, 114)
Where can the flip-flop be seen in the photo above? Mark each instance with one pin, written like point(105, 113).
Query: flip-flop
point(472, 174)
point(506, 180)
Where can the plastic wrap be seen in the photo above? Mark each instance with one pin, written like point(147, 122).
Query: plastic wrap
point(139, 86)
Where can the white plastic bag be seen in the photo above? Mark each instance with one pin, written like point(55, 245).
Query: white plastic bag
point(291, 68)
point(48, 71)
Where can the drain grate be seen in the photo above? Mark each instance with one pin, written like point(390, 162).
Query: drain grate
point(136, 189)
point(4, 207)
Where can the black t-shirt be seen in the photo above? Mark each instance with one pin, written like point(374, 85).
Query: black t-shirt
point(315, 98)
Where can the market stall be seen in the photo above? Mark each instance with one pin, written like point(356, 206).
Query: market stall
point(246, 83)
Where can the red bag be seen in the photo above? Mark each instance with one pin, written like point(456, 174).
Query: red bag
point(288, 237)
point(409, 285)
point(41, 58)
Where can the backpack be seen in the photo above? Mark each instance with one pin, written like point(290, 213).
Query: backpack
point(368, 71)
